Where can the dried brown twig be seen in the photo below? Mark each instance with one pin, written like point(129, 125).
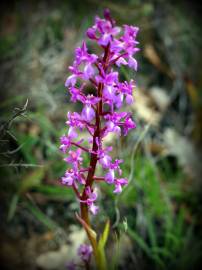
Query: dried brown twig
point(5, 127)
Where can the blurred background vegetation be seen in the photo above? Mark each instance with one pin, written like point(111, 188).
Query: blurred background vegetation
point(156, 222)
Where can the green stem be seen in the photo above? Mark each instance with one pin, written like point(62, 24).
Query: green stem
point(99, 255)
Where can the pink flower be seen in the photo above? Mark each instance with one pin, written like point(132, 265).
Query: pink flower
point(99, 114)
point(127, 125)
point(93, 209)
point(119, 183)
point(129, 99)
point(65, 143)
point(109, 177)
point(85, 252)
point(88, 72)
point(71, 80)
point(105, 161)
point(132, 63)
point(74, 158)
point(92, 196)
point(68, 179)
point(82, 55)
point(88, 113)
point(108, 79)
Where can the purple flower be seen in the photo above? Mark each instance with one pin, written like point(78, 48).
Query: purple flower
point(67, 140)
point(100, 113)
point(75, 120)
point(88, 113)
point(129, 99)
point(119, 100)
point(127, 125)
point(82, 55)
point(73, 177)
point(76, 93)
point(71, 265)
point(94, 209)
point(91, 100)
point(85, 252)
point(126, 87)
point(65, 143)
point(92, 196)
point(109, 177)
point(68, 179)
point(132, 63)
point(88, 71)
point(74, 158)
point(105, 161)
point(91, 33)
point(72, 133)
point(108, 79)
point(119, 183)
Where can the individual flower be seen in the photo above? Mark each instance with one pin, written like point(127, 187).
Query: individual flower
point(68, 178)
point(109, 177)
point(82, 55)
point(88, 112)
point(127, 125)
point(74, 158)
point(85, 252)
point(105, 161)
point(92, 196)
point(119, 183)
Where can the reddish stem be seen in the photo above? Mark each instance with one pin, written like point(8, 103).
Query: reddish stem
point(79, 146)
point(93, 157)
point(85, 169)
point(96, 178)
point(93, 82)
point(76, 191)
point(117, 58)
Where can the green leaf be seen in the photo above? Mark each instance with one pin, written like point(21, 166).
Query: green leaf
point(104, 236)
point(50, 224)
point(56, 192)
point(151, 231)
point(162, 251)
point(101, 246)
point(32, 179)
point(143, 245)
point(29, 181)
point(12, 207)
point(140, 241)
point(29, 143)
point(88, 229)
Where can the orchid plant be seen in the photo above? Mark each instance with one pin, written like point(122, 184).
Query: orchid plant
point(100, 115)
